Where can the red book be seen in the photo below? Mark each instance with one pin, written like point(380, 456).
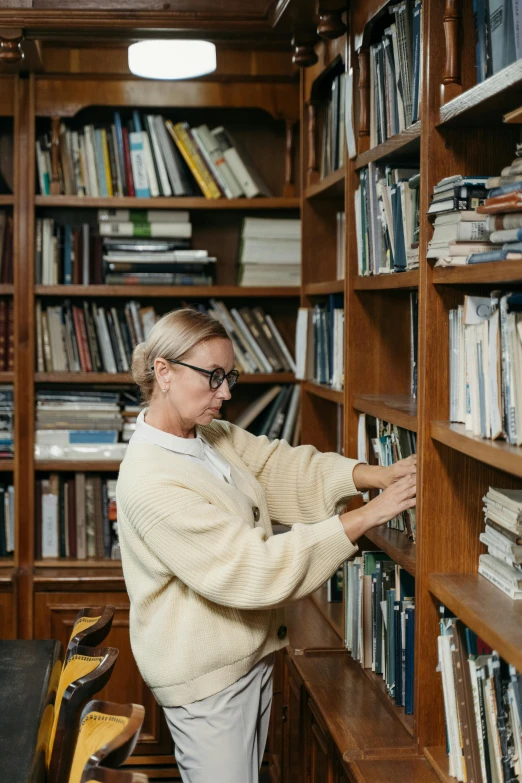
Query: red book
point(128, 167)
point(81, 336)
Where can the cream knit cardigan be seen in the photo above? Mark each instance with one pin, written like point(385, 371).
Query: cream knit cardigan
point(206, 582)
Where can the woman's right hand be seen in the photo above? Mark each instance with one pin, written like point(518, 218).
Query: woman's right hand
point(398, 497)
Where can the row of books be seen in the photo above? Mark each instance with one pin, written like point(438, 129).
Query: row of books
point(320, 342)
point(149, 156)
point(497, 35)
point(502, 565)
point(340, 245)
point(270, 252)
point(6, 421)
point(379, 605)
point(486, 365)
point(7, 519)
point(382, 443)
point(6, 335)
point(396, 73)
point(6, 247)
point(275, 414)
point(387, 219)
point(482, 707)
point(332, 126)
point(84, 425)
point(76, 517)
point(146, 247)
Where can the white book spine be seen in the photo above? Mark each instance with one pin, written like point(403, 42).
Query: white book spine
point(50, 544)
point(105, 343)
point(149, 162)
point(162, 169)
point(91, 160)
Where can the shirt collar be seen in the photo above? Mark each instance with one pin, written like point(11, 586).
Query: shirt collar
point(191, 446)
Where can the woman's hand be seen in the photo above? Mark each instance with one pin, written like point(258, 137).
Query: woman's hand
point(398, 497)
point(377, 477)
point(398, 470)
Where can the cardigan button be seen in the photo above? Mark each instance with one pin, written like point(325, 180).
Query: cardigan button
point(281, 631)
point(256, 513)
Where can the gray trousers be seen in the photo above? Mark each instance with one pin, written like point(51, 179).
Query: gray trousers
point(221, 739)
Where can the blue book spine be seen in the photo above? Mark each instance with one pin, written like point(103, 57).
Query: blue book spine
point(417, 16)
point(510, 188)
point(138, 165)
point(93, 436)
point(100, 164)
point(514, 247)
point(136, 120)
point(120, 153)
point(483, 258)
point(410, 660)
point(67, 255)
point(479, 12)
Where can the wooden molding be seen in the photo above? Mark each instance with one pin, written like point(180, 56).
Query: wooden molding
point(331, 23)
point(11, 46)
point(364, 101)
point(289, 182)
point(304, 53)
point(451, 80)
point(313, 172)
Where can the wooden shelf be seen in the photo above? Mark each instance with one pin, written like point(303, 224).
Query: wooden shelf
point(328, 287)
point(7, 377)
point(408, 721)
point(6, 465)
point(331, 186)
point(496, 453)
point(122, 377)
point(6, 289)
point(309, 628)
point(394, 280)
point(6, 200)
point(332, 612)
point(157, 291)
point(485, 103)
point(395, 544)
point(494, 272)
point(398, 409)
point(485, 609)
point(69, 562)
point(245, 204)
point(319, 390)
point(80, 579)
point(393, 771)
point(405, 144)
point(80, 466)
point(438, 759)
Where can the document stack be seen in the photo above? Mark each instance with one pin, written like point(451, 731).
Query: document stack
point(503, 538)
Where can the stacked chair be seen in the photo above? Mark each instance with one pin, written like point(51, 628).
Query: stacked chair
point(88, 740)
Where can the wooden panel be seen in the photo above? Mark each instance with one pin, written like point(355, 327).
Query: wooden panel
point(319, 752)
point(7, 96)
point(438, 759)
point(186, 202)
point(54, 618)
point(333, 612)
point(309, 629)
point(319, 422)
point(381, 282)
point(404, 771)
point(323, 391)
point(68, 96)
point(331, 186)
point(7, 615)
point(293, 725)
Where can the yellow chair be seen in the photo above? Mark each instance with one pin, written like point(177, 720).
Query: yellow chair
point(90, 628)
point(85, 673)
point(105, 775)
point(107, 736)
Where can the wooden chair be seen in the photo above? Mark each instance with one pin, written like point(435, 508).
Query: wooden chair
point(91, 627)
point(105, 775)
point(86, 672)
point(107, 735)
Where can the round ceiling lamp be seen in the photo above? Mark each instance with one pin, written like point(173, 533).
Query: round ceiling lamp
point(164, 59)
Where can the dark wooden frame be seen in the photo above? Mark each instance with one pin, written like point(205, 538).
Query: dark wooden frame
point(94, 634)
point(106, 775)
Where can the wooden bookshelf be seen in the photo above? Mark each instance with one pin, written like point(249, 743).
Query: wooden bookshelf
point(332, 186)
point(7, 377)
point(77, 466)
point(187, 202)
point(484, 104)
point(6, 465)
point(485, 609)
point(157, 292)
point(438, 759)
point(399, 409)
point(496, 453)
point(333, 611)
point(6, 200)
point(320, 390)
point(478, 274)
point(115, 378)
point(6, 289)
point(397, 545)
point(396, 280)
point(403, 145)
point(408, 721)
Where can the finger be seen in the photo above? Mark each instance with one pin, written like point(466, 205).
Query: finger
point(410, 503)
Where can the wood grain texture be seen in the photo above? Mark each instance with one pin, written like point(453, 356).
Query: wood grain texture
point(395, 544)
point(185, 202)
point(405, 144)
point(332, 186)
point(157, 292)
point(496, 453)
point(387, 282)
point(320, 390)
point(402, 771)
point(474, 274)
point(400, 409)
point(485, 609)
point(333, 612)
point(326, 287)
point(438, 759)
point(408, 721)
point(485, 103)
point(309, 627)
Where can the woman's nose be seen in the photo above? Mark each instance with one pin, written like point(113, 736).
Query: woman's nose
point(224, 391)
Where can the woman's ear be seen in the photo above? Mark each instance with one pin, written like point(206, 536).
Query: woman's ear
point(162, 371)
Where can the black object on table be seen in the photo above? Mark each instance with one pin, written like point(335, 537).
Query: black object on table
point(25, 684)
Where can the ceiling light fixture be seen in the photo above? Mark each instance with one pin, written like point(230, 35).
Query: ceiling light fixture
point(164, 59)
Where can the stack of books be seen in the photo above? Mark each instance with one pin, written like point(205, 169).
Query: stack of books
point(482, 706)
point(7, 517)
point(6, 422)
point(270, 252)
point(486, 366)
point(379, 605)
point(387, 219)
point(459, 229)
point(275, 414)
point(76, 517)
point(149, 156)
point(130, 412)
point(389, 444)
point(503, 538)
point(258, 344)
point(333, 118)
point(152, 248)
point(74, 425)
point(320, 342)
point(396, 73)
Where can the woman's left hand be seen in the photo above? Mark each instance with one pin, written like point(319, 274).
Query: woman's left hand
point(398, 470)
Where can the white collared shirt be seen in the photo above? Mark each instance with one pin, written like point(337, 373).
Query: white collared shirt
point(196, 449)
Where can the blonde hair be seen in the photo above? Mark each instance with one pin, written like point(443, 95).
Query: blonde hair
point(172, 338)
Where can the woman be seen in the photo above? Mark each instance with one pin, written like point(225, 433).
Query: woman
point(207, 580)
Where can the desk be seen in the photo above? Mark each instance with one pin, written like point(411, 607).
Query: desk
point(25, 676)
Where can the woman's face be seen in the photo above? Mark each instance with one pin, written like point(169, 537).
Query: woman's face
point(189, 391)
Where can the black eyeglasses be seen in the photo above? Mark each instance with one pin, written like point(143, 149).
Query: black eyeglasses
point(216, 377)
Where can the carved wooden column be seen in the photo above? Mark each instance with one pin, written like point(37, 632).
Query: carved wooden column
point(330, 14)
point(304, 52)
point(451, 81)
point(363, 142)
point(289, 183)
point(312, 170)
point(11, 45)
point(55, 156)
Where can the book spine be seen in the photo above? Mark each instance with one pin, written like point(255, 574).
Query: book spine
point(193, 160)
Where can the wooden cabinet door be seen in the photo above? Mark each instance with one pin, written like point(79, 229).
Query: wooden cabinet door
point(54, 616)
point(293, 767)
point(275, 732)
point(319, 750)
point(7, 615)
